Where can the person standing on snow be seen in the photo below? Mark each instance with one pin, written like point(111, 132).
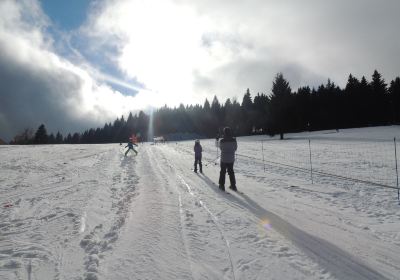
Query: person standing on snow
point(130, 147)
point(228, 147)
point(197, 156)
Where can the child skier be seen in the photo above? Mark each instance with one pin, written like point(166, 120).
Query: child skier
point(197, 156)
point(130, 147)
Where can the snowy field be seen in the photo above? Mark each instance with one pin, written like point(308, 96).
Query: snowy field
point(88, 212)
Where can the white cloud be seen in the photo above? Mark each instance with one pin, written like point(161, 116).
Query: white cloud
point(39, 86)
point(191, 49)
point(186, 51)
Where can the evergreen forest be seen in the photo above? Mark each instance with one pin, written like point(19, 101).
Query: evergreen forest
point(361, 103)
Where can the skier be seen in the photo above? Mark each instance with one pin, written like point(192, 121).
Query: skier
point(130, 147)
point(228, 147)
point(197, 155)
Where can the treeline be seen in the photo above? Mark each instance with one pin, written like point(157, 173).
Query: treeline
point(361, 103)
point(118, 131)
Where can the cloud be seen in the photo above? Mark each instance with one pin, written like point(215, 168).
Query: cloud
point(204, 47)
point(176, 51)
point(39, 86)
point(325, 38)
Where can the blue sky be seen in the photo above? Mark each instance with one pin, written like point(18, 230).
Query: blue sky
point(67, 17)
point(66, 14)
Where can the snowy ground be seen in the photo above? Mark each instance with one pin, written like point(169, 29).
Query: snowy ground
point(87, 212)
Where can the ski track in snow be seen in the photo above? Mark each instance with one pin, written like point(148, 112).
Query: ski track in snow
point(88, 212)
point(200, 192)
point(152, 245)
point(44, 231)
point(103, 236)
point(361, 199)
point(215, 221)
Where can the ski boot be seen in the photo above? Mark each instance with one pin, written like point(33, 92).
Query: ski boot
point(233, 188)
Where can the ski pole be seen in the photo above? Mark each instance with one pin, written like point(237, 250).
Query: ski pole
point(212, 161)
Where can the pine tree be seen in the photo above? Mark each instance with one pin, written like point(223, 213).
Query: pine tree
point(206, 105)
point(130, 127)
point(366, 102)
point(247, 114)
point(75, 138)
point(41, 135)
point(247, 102)
point(143, 124)
point(378, 84)
point(216, 116)
point(394, 93)
point(51, 139)
point(59, 138)
point(281, 94)
point(207, 126)
point(229, 114)
point(68, 139)
point(380, 98)
point(353, 97)
point(261, 106)
point(302, 109)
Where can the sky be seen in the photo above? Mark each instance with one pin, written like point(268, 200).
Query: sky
point(77, 64)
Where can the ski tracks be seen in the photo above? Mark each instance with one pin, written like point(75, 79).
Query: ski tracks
point(114, 207)
point(206, 246)
point(150, 245)
point(44, 218)
point(310, 257)
point(214, 220)
point(242, 253)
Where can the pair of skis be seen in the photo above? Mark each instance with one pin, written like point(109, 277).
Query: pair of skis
point(236, 191)
point(225, 191)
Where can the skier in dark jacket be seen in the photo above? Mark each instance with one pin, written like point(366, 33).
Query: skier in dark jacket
point(228, 147)
point(130, 147)
point(197, 156)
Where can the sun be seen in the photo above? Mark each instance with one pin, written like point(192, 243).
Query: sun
point(162, 48)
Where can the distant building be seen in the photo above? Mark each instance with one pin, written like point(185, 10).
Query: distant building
point(2, 142)
point(159, 140)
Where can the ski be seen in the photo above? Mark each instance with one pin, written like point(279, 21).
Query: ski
point(236, 191)
point(225, 191)
point(239, 192)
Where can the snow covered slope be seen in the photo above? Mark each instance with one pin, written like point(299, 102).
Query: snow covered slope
point(88, 212)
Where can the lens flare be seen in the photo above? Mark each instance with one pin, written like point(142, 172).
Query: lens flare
point(265, 224)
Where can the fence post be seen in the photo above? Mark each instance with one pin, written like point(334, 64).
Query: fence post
point(397, 171)
point(216, 142)
point(311, 170)
point(262, 148)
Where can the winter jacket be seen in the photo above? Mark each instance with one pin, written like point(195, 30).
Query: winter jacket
point(228, 147)
point(197, 150)
point(130, 145)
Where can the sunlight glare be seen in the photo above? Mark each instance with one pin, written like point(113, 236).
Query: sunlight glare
point(162, 48)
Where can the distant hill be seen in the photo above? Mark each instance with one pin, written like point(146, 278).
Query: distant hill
point(2, 142)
